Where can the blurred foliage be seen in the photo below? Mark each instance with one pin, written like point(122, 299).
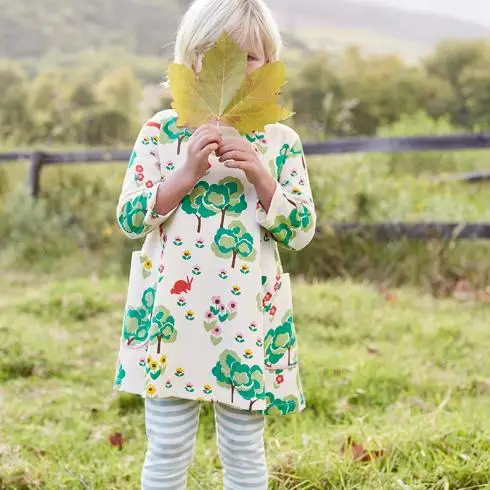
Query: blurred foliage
point(355, 94)
point(344, 95)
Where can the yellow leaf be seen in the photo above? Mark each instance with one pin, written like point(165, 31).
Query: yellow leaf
point(222, 91)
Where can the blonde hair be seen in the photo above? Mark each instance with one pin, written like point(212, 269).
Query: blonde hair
point(249, 22)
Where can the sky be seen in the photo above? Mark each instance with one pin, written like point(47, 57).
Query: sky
point(474, 10)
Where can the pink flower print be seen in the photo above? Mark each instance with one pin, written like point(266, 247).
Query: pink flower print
point(216, 300)
point(272, 311)
point(276, 287)
point(222, 307)
point(267, 296)
point(139, 169)
point(279, 379)
point(140, 177)
point(209, 314)
point(239, 338)
point(216, 332)
point(253, 326)
point(232, 305)
point(160, 269)
point(149, 184)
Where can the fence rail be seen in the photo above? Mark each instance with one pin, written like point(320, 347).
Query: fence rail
point(382, 231)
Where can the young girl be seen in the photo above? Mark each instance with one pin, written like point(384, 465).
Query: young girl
point(209, 312)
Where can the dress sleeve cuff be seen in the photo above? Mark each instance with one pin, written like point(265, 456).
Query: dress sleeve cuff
point(267, 219)
point(153, 218)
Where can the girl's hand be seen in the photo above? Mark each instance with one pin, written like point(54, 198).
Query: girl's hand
point(241, 154)
point(202, 143)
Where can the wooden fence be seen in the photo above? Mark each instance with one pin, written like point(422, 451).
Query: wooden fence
point(381, 231)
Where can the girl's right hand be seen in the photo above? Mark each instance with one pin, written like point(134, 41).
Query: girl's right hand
point(202, 143)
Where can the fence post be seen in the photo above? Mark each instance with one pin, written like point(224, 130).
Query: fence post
point(37, 161)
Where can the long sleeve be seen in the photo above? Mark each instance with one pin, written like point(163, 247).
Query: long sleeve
point(135, 214)
point(291, 218)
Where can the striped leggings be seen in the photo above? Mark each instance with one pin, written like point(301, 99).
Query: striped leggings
point(171, 428)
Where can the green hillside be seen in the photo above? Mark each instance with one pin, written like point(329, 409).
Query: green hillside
point(32, 29)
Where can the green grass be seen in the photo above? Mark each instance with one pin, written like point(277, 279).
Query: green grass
point(405, 374)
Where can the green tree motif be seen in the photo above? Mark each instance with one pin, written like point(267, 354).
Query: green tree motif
point(247, 380)
point(283, 230)
point(170, 132)
point(121, 373)
point(280, 340)
point(286, 152)
point(136, 323)
point(226, 197)
point(234, 241)
point(133, 214)
point(193, 203)
point(301, 218)
point(162, 327)
point(280, 406)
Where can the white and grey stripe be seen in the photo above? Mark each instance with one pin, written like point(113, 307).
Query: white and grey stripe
point(171, 428)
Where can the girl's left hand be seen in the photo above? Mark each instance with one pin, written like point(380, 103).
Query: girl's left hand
point(242, 155)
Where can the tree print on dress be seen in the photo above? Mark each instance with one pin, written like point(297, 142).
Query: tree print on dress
point(234, 241)
point(247, 381)
point(162, 327)
point(280, 406)
point(206, 200)
point(284, 228)
point(170, 132)
point(284, 153)
point(280, 340)
point(133, 215)
point(137, 321)
point(121, 374)
point(217, 314)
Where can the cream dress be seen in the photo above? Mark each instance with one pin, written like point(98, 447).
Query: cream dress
point(209, 313)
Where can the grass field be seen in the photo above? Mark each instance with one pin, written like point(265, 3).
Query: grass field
point(397, 371)
point(403, 373)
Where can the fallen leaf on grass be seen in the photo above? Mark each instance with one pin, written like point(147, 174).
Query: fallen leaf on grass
point(358, 452)
point(373, 350)
point(116, 440)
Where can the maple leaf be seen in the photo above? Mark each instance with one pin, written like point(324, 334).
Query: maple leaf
point(222, 91)
point(358, 452)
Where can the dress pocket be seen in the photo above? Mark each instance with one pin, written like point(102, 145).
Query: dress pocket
point(280, 342)
point(131, 362)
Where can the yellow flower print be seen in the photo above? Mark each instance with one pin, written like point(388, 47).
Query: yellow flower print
point(148, 264)
point(296, 190)
point(163, 359)
point(179, 372)
point(153, 365)
point(248, 353)
point(236, 287)
point(149, 359)
point(244, 267)
point(150, 389)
